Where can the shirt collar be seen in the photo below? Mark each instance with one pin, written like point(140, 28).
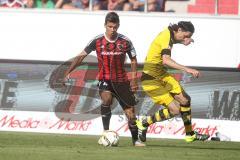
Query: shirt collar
point(111, 41)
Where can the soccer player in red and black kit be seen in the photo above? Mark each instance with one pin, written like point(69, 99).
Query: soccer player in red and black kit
point(111, 48)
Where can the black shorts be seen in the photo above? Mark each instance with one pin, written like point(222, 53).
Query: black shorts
point(120, 90)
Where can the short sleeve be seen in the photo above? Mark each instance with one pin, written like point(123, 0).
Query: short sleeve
point(131, 52)
point(91, 46)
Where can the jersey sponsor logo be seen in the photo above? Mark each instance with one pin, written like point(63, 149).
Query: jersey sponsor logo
point(111, 53)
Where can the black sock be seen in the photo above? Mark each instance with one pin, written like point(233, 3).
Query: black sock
point(106, 116)
point(133, 129)
point(187, 119)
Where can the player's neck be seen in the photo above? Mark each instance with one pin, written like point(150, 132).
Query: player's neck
point(111, 38)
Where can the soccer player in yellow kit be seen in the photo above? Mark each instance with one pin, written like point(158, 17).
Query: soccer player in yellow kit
point(163, 88)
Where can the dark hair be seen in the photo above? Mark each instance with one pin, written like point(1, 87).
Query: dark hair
point(112, 17)
point(186, 26)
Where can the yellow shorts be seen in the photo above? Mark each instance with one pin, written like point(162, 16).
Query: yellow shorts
point(161, 90)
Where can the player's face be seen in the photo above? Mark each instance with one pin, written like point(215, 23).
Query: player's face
point(111, 30)
point(183, 37)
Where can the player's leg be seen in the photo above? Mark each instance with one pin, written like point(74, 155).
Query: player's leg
point(106, 113)
point(106, 97)
point(158, 91)
point(162, 114)
point(185, 109)
point(127, 100)
point(184, 101)
point(130, 113)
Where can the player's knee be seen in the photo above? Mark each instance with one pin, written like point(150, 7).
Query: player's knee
point(183, 99)
point(186, 102)
point(174, 108)
point(107, 102)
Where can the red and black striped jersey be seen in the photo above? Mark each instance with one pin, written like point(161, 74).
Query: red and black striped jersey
point(111, 56)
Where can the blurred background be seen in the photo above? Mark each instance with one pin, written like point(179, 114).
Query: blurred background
point(230, 7)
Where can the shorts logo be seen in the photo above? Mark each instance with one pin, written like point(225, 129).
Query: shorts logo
point(105, 84)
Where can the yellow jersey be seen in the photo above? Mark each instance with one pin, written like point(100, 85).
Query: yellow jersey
point(161, 45)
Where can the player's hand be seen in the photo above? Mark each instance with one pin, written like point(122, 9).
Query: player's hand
point(195, 73)
point(134, 86)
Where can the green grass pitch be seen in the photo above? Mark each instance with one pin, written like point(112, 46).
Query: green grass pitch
point(36, 146)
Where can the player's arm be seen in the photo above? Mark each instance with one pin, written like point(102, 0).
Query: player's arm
point(133, 57)
point(134, 85)
point(168, 61)
point(76, 62)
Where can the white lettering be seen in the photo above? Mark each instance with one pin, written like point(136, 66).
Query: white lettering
point(111, 53)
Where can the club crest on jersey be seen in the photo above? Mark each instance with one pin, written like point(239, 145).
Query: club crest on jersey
point(119, 46)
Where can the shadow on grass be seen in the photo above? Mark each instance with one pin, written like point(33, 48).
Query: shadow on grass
point(190, 146)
